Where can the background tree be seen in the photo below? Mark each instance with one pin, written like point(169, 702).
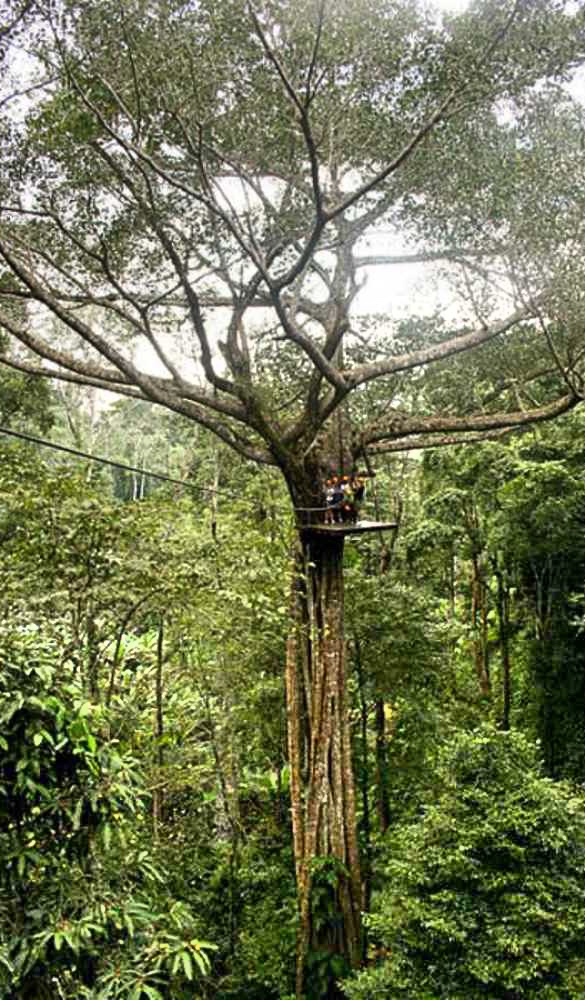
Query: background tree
point(469, 911)
point(524, 505)
point(219, 845)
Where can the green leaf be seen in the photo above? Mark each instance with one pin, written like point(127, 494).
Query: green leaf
point(187, 964)
point(202, 962)
point(151, 992)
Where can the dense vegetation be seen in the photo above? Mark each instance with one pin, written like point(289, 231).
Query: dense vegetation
point(146, 841)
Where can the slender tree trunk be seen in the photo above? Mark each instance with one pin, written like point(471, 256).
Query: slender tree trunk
point(452, 582)
point(280, 762)
point(227, 817)
point(386, 558)
point(157, 797)
point(383, 799)
point(479, 625)
point(92, 653)
point(322, 783)
point(214, 489)
point(504, 622)
point(364, 784)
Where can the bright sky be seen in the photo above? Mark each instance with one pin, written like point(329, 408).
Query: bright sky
point(451, 5)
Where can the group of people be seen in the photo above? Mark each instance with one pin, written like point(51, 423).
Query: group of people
point(343, 497)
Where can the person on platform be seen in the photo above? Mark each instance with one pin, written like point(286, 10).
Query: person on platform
point(348, 512)
point(337, 500)
point(329, 500)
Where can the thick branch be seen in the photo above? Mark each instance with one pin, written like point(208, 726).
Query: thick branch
point(422, 257)
point(437, 352)
point(110, 376)
point(70, 376)
point(113, 379)
point(399, 427)
point(82, 329)
point(297, 336)
point(236, 441)
point(444, 441)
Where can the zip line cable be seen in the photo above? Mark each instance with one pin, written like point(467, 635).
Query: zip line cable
point(143, 472)
point(119, 465)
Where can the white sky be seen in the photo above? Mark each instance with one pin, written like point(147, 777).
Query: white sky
point(451, 5)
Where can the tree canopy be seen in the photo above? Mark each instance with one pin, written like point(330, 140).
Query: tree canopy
point(203, 180)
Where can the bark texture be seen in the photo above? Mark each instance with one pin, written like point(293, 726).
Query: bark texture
point(322, 783)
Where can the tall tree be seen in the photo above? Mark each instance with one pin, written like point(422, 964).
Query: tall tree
point(201, 181)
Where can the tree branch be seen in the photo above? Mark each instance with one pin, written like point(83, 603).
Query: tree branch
point(425, 129)
point(6, 29)
point(302, 107)
point(400, 426)
point(236, 441)
point(443, 441)
point(437, 352)
point(422, 257)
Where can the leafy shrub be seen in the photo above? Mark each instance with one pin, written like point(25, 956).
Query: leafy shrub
point(486, 892)
point(84, 911)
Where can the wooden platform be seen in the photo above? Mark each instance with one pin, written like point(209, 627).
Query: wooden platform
point(359, 528)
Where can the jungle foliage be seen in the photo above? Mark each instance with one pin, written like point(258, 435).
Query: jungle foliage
point(146, 844)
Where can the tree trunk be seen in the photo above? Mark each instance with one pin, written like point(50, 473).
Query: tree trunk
point(322, 783)
point(157, 795)
point(503, 605)
point(92, 654)
point(364, 786)
point(383, 798)
point(479, 625)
